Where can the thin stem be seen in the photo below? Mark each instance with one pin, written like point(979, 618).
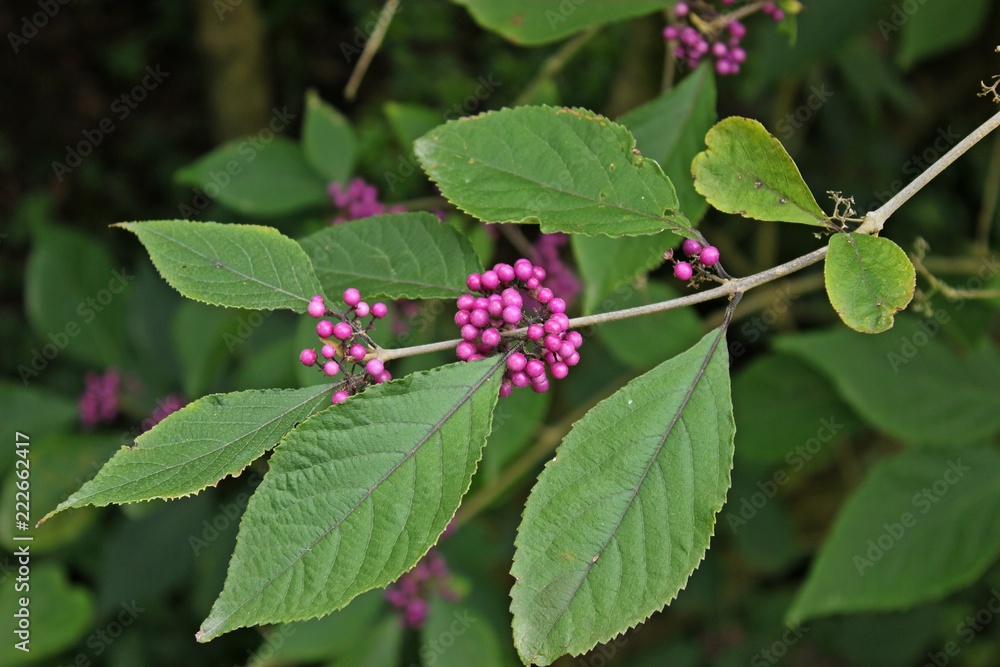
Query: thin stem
point(555, 64)
point(371, 48)
point(875, 220)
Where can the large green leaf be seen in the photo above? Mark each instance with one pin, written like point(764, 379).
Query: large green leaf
point(622, 515)
point(746, 171)
point(259, 178)
point(543, 21)
point(238, 266)
point(401, 255)
point(214, 437)
point(74, 299)
point(922, 525)
point(568, 170)
point(328, 140)
point(868, 279)
point(907, 382)
point(357, 495)
point(935, 27)
point(60, 614)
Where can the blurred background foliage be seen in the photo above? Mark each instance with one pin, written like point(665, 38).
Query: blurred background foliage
point(868, 95)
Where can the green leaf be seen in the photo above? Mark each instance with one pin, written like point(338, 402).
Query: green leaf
point(647, 341)
point(922, 525)
point(357, 495)
point(475, 640)
point(622, 516)
point(402, 255)
point(205, 441)
point(568, 170)
point(35, 411)
point(381, 647)
point(671, 129)
point(934, 28)
point(746, 171)
point(198, 335)
point(409, 122)
point(544, 21)
point(330, 636)
point(237, 266)
point(61, 613)
point(74, 300)
point(328, 140)
point(257, 177)
point(908, 383)
point(868, 279)
point(610, 264)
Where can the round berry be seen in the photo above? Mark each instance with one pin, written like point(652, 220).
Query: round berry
point(358, 352)
point(682, 9)
point(352, 296)
point(709, 256)
point(466, 302)
point(307, 357)
point(465, 350)
point(553, 343)
point(532, 283)
point(670, 32)
point(516, 362)
point(737, 29)
point(331, 368)
point(491, 337)
point(557, 305)
point(566, 350)
point(495, 308)
point(535, 368)
point(462, 318)
point(520, 379)
point(374, 367)
point(317, 308)
point(536, 331)
point(544, 295)
point(379, 309)
point(343, 330)
point(511, 297)
point(384, 376)
point(523, 269)
point(738, 55)
point(490, 280)
point(339, 397)
point(683, 271)
point(553, 326)
point(479, 318)
point(540, 388)
point(362, 309)
point(574, 337)
point(691, 247)
point(506, 388)
point(329, 351)
point(573, 359)
point(511, 314)
point(505, 272)
point(538, 273)
point(324, 328)
point(470, 332)
point(559, 370)
point(474, 282)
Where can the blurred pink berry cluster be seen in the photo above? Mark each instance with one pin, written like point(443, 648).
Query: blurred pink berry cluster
point(506, 298)
point(704, 31)
point(99, 402)
point(412, 592)
point(343, 342)
point(164, 408)
point(699, 256)
point(561, 278)
point(358, 200)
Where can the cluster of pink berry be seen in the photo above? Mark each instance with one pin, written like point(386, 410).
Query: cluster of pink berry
point(703, 256)
point(411, 592)
point(99, 402)
point(561, 278)
point(503, 293)
point(698, 36)
point(343, 343)
point(358, 200)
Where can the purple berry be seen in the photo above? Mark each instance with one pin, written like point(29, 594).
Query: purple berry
point(683, 271)
point(534, 368)
point(523, 269)
point(358, 352)
point(343, 330)
point(506, 388)
point(491, 337)
point(538, 273)
point(559, 370)
point(553, 343)
point(690, 247)
point(490, 280)
point(339, 397)
point(329, 351)
point(511, 297)
point(384, 376)
point(682, 9)
point(352, 296)
point(512, 314)
point(462, 318)
point(316, 307)
point(331, 368)
point(307, 357)
point(495, 308)
point(479, 318)
point(566, 350)
point(738, 55)
point(505, 272)
point(544, 295)
point(379, 309)
point(670, 32)
point(553, 326)
point(465, 350)
point(324, 328)
point(374, 367)
point(474, 282)
point(470, 332)
point(466, 302)
point(536, 331)
point(737, 29)
point(362, 309)
point(532, 283)
point(557, 305)
point(540, 388)
point(709, 256)
point(573, 359)
point(575, 338)
point(520, 379)
point(516, 362)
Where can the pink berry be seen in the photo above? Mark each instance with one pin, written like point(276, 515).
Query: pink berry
point(474, 282)
point(557, 305)
point(470, 332)
point(536, 331)
point(670, 32)
point(506, 388)
point(374, 367)
point(544, 295)
point(339, 397)
point(575, 338)
point(511, 314)
point(573, 359)
point(358, 352)
point(505, 272)
point(490, 280)
point(738, 55)
point(491, 337)
point(495, 308)
point(479, 318)
point(538, 273)
point(343, 330)
point(553, 326)
point(384, 376)
point(331, 368)
point(709, 256)
point(523, 269)
point(316, 307)
point(482, 303)
point(737, 29)
point(466, 302)
point(520, 379)
point(362, 309)
point(352, 296)
point(532, 283)
point(511, 297)
point(307, 357)
point(465, 350)
point(517, 362)
point(329, 351)
point(683, 271)
point(324, 328)
point(540, 388)
point(682, 9)
point(534, 368)
point(559, 370)
point(462, 318)
point(566, 350)
point(553, 343)
point(379, 309)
